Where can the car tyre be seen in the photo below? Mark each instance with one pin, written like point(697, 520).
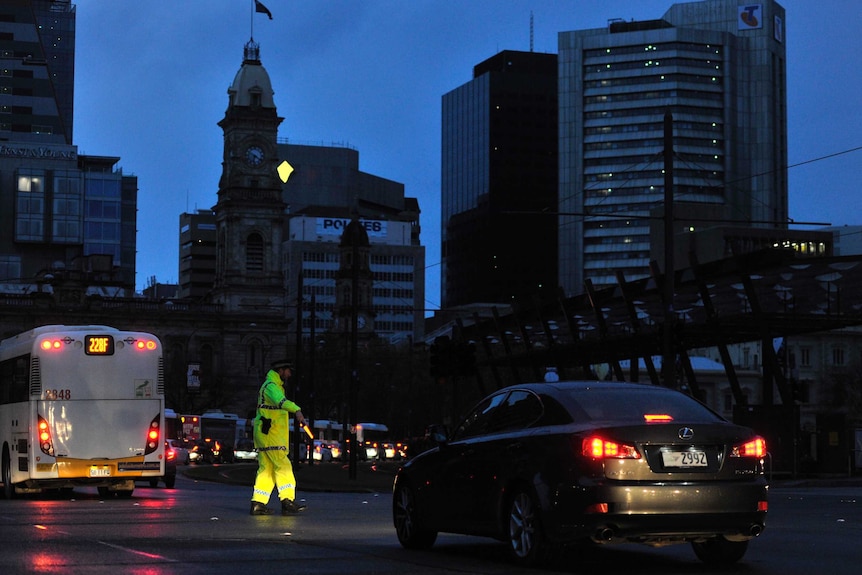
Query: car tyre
point(154, 483)
point(527, 544)
point(719, 551)
point(410, 533)
point(170, 481)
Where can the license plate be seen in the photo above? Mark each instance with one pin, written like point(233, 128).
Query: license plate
point(100, 472)
point(684, 458)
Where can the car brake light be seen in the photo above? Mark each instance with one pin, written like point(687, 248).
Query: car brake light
point(753, 448)
point(599, 448)
point(657, 418)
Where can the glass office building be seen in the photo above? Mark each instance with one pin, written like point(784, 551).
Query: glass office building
point(62, 215)
point(719, 68)
point(499, 182)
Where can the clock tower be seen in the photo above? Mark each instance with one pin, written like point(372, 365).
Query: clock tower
point(250, 209)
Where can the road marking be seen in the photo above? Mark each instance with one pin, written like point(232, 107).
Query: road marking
point(136, 552)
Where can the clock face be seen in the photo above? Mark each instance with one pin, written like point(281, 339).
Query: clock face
point(254, 156)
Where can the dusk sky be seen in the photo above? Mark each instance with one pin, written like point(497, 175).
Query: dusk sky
point(152, 77)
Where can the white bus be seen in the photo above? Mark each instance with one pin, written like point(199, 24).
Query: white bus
point(80, 406)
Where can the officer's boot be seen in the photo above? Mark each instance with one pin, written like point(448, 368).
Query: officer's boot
point(258, 508)
point(289, 507)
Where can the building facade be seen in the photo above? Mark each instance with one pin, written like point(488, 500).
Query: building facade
point(499, 182)
point(719, 68)
point(63, 216)
point(197, 254)
point(325, 192)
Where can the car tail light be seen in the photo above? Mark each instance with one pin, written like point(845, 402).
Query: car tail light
point(599, 448)
point(754, 448)
point(170, 454)
point(597, 508)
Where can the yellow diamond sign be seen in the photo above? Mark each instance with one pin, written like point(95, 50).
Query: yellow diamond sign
point(284, 171)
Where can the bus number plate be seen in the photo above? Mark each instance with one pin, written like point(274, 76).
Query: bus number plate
point(100, 472)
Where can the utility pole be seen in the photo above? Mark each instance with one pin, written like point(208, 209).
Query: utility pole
point(668, 357)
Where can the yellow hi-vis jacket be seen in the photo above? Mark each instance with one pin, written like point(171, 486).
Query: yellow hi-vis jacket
point(273, 404)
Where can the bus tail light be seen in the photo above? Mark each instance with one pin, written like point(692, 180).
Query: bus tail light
point(46, 444)
point(154, 434)
point(142, 344)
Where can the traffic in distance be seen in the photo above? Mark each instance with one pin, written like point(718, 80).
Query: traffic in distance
point(218, 437)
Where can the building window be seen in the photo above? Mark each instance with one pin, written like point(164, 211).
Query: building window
point(30, 208)
point(838, 356)
point(10, 267)
point(254, 253)
point(805, 356)
point(67, 210)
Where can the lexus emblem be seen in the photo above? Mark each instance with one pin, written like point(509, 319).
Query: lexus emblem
point(686, 433)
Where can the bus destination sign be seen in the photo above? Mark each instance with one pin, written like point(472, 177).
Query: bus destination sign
point(99, 345)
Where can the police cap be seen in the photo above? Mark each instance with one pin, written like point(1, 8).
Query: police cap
point(282, 364)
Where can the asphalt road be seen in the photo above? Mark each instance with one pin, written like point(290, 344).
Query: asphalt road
point(203, 527)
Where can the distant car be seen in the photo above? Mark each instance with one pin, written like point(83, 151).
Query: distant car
point(548, 464)
point(320, 452)
point(170, 476)
point(392, 450)
point(334, 449)
point(211, 451)
point(245, 450)
point(183, 457)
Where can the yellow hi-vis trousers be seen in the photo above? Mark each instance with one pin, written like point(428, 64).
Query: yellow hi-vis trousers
point(273, 470)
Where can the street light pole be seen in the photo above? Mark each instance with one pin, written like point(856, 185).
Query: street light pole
point(668, 356)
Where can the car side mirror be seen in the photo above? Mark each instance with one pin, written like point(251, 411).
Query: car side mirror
point(438, 434)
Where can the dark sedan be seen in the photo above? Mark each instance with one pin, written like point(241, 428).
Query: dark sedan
point(549, 464)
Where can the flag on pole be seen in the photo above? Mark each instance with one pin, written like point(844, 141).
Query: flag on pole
point(259, 7)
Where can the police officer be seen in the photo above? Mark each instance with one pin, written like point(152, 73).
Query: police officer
point(271, 425)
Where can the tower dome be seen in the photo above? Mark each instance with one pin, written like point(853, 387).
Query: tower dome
point(251, 86)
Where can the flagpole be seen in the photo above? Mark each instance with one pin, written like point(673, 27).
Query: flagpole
point(252, 19)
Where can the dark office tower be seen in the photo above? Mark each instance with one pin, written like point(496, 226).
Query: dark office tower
point(499, 182)
point(197, 254)
point(719, 68)
point(65, 218)
point(37, 66)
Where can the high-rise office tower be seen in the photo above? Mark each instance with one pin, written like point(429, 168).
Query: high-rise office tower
point(63, 216)
point(499, 181)
point(719, 68)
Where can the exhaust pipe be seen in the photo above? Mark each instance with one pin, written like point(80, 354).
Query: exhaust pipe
point(755, 530)
point(604, 535)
